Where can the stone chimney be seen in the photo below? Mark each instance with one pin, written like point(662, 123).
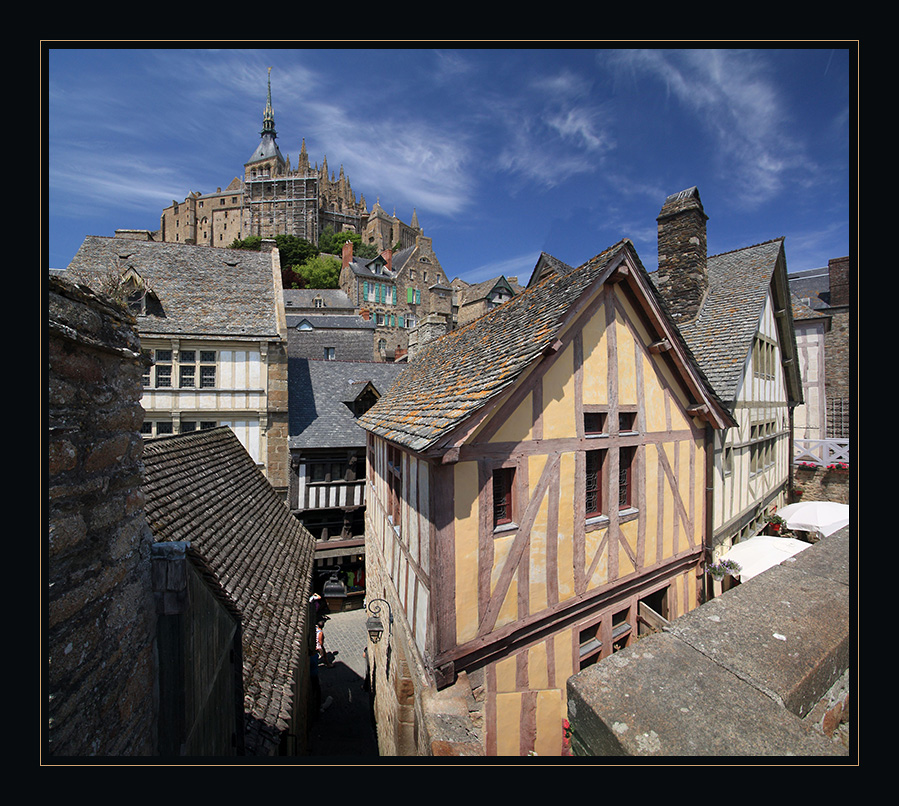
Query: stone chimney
point(838, 268)
point(431, 327)
point(346, 255)
point(683, 277)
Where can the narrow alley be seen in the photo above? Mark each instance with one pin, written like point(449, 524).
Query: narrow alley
point(344, 727)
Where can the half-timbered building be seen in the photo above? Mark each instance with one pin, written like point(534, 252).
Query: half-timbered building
point(537, 499)
point(734, 310)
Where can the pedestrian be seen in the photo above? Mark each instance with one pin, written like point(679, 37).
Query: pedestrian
point(320, 643)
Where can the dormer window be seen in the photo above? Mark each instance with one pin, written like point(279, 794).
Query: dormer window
point(139, 298)
point(304, 325)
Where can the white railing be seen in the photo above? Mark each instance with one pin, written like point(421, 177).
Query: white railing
point(334, 495)
point(820, 452)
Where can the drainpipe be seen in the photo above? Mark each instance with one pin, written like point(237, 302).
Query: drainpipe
point(709, 505)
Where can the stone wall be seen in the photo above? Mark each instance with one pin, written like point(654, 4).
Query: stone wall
point(821, 484)
point(762, 670)
point(101, 620)
point(277, 460)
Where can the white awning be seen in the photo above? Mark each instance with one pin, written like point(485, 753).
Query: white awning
point(763, 552)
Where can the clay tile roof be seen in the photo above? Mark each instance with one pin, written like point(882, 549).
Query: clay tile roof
point(205, 488)
point(455, 375)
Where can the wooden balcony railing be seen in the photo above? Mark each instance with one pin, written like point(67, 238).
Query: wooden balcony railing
point(820, 452)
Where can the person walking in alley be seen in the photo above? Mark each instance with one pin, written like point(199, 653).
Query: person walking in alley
point(320, 643)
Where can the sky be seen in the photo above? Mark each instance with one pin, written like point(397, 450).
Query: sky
point(503, 152)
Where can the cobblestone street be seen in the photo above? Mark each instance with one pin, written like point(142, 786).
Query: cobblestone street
point(344, 726)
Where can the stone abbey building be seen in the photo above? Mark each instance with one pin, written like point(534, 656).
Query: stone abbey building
point(274, 198)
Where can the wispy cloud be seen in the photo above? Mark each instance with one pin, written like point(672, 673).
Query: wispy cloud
point(735, 100)
point(557, 130)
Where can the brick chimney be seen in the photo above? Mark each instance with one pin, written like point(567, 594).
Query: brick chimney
point(683, 277)
point(387, 254)
point(346, 256)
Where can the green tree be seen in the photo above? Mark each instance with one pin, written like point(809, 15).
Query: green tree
point(321, 271)
point(253, 242)
point(332, 243)
point(294, 251)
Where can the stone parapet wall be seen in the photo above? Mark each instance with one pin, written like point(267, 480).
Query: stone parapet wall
point(100, 614)
point(762, 670)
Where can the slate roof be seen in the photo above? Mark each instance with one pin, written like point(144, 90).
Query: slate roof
point(333, 299)
point(802, 312)
point(330, 322)
point(479, 291)
point(547, 264)
point(204, 488)
point(318, 392)
point(812, 285)
point(202, 290)
point(361, 267)
point(456, 375)
point(722, 334)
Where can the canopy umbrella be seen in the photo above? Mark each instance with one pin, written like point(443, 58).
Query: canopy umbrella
point(762, 552)
point(815, 516)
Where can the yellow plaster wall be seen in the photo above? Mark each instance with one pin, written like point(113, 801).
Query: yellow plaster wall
point(558, 397)
point(596, 361)
point(565, 548)
point(517, 428)
point(628, 535)
point(508, 724)
point(627, 368)
point(466, 550)
point(650, 513)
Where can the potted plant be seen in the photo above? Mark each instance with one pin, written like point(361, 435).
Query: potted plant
point(839, 467)
point(775, 524)
point(722, 568)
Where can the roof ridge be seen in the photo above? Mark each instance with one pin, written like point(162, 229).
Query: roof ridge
point(780, 238)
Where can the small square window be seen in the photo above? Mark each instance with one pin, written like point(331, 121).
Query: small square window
point(503, 482)
point(626, 421)
point(594, 423)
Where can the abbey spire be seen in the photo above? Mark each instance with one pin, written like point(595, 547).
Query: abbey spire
point(266, 160)
point(268, 117)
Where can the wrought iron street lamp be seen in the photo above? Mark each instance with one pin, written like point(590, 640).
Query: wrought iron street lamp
point(373, 624)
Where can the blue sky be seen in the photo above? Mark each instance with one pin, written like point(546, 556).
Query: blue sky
point(503, 152)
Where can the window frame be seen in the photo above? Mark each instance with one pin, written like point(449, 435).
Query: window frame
point(502, 482)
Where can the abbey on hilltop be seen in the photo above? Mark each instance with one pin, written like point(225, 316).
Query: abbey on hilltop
point(273, 198)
